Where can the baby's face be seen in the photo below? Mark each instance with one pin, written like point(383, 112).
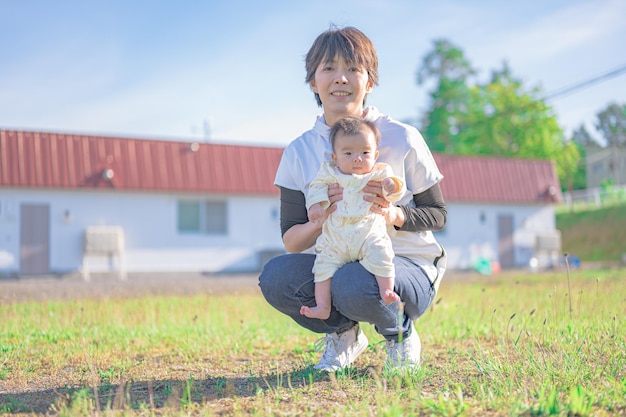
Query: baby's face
point(355, 154)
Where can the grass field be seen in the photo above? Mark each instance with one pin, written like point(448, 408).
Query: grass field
point(513, 344)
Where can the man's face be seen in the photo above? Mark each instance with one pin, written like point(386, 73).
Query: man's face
point(342, 89)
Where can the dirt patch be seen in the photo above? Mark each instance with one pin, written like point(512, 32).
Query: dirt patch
point(102, 286)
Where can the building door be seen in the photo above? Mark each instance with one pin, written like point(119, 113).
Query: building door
point(34, 239)
point(506, 249)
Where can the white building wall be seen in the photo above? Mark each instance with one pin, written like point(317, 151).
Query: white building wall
point(149, 221)
point(471, 233)
point(9, 232)
point(152, 242)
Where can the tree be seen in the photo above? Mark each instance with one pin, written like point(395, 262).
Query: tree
point(570, 172)
point(518, 122)
point(582, 136)
point(449, 71)
point(445, 61)
point(584, 142)
point(500, 117)
point(505, 119)
point(611, 123)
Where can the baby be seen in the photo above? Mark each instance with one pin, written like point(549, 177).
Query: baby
point(352, 232)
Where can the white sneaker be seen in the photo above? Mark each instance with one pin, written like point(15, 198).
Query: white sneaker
point(341, 349)
point(404, 355)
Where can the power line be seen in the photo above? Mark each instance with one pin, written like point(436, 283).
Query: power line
point(586, 83)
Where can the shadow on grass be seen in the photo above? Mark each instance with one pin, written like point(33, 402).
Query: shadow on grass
point(158, 394)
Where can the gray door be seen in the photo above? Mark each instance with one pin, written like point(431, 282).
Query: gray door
point(506, 249)
point(34, 239)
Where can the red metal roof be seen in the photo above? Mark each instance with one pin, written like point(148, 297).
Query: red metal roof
point(54, 160)
point(57, 160)
point(498, 180)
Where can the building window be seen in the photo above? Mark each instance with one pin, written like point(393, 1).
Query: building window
point(189, 216)
point(196, 216)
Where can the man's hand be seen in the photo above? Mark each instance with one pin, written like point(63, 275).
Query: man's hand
point(335, 193)
point(374, 194)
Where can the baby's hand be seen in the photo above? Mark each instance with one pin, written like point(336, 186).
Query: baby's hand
point(316, 213)
point(389, 186)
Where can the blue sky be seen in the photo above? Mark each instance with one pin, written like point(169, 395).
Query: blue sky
point(164, 69)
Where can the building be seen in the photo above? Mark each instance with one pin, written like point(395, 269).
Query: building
point(94, 203)
point(606, 165)
point(499, 210)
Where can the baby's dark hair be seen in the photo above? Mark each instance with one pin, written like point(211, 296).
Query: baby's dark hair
point(349, 43)
point(351, 126)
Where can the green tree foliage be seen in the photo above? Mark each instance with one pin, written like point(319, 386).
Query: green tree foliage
point(585, 142)
point(500, 117)
point(506, 120)
point(611, 124)
point(582, 136)
point(445, 61)
point(569, 169)
point(448, 70)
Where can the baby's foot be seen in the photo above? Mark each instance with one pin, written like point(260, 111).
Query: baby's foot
point(317, 312)
point(389, 296)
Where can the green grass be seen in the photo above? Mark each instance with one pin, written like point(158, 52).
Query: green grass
point(529, 345)
point(596, 234)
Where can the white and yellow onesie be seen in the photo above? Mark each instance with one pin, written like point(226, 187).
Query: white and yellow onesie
point(352, 232)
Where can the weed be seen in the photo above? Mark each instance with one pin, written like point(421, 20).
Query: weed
point(447, 404)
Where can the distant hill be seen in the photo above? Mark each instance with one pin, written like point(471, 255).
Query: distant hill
point(594, 235)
